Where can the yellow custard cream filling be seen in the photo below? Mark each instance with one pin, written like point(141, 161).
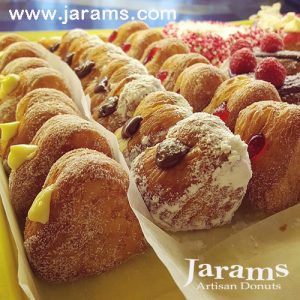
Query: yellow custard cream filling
point(20, 153)
point(8, 131)
point(40, 208)
point(293, 26)
point(8, 84)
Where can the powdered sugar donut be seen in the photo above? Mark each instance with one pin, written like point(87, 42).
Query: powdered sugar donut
point(197, 177)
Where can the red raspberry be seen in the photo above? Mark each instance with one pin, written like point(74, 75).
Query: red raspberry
point(271, 42)
point(240, 44)
point(242, 61)
point(271, 70)
point(291, 40)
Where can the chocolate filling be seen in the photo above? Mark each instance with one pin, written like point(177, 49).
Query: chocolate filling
point(293, 55)
point(84, 69)
point(101, 86)
point(131, 127)
point(69, 58)
point(108, 107)
point(54, 47)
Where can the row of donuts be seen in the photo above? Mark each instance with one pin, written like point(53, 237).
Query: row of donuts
point(66, 189)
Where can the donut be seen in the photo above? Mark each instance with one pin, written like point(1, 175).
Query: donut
point(290, 91)
point(196, 178)
point(158, 52)
point(116, 110)
point(198, 84)
point(84, 202)
point(175, 65)
point(154, 116)
point(56, 137)
point(236, 93)
point(8, 39)
point(21, 49)
point(15, 87)
point(137, 42)
point(272, 131)
point(119, 36)
point(33, 110)
point(24, 63)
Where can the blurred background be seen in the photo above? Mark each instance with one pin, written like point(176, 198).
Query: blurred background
point(222, 10)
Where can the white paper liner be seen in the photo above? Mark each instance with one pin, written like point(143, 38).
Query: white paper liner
point(173, 249)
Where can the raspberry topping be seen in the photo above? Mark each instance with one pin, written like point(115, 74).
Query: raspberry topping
point(113, 36)
point(150, 55)
point(271, 70)
point(162, 75)
point(126, 47)
point(222, 112)
point(240, 44)
point(271, 42)
point(256, 145)
point(291, 38)
point(242, 61)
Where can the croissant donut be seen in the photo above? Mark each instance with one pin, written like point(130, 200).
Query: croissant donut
point(236, 93)
point(33, 111)
point(8, 39)
point(85, 203)
point(116, 110)
point(15, 87)
point(57, 136)
point(51, 43)
point(198, 84)
point(21, 49)
point(137, 42)
point(175, 65)
point(158, 52)
point(151, 127)
point(118, 37)
point(272, 131)
point(24, 63)
point(196, 178)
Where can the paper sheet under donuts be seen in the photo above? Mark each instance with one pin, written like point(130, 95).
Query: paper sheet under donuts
point(249, 240)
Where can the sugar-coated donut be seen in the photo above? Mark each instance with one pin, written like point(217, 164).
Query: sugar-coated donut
point(197, 177)
point(8, 39)
point(198, 84)
point(86, 226)
point(57, 136)
point(272, 131)
point(236, 93)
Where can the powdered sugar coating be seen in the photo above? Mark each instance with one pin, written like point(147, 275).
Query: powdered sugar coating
point(203, 190)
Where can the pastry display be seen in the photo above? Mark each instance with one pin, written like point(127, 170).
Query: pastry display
point(56, 137)
point(158, 52)
point(236, 93)
point(119, 36)
point(136, 43)
point(116, 110)
point(8, 39)
point(154, 116)
point(198, 83)
point(197, 177)
point(175, 65)
point(87, 191)
point(272, 131)
point(14, 87)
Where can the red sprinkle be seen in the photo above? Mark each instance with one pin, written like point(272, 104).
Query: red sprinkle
point(222, 112)
point(256, 145)
point(162, 75)
point(126, 47)
point(150, 55)
point(113, 36)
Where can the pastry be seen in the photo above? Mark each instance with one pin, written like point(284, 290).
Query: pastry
point(158, 52)
point(8, 39)
point(57, 136)
point(33, 110)
point(81, 223)
point(15, 87)
point(51, 43)
point(290, 91)
point(175, 65)
point(272, 131)
point(24, 63)
point(117, 109)
point(236, 93)
point(196, 178)
point(137, 42)
point(118, 37)
point(198, 84)
point(21, 49)
point(154, 116)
